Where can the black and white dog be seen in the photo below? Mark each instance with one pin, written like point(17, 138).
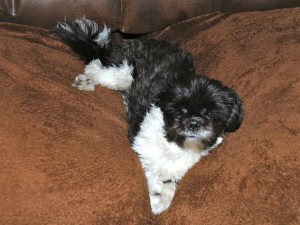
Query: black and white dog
point(174, 116)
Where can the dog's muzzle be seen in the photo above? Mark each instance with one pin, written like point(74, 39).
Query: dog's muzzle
point(197, 127)
point(193, 125)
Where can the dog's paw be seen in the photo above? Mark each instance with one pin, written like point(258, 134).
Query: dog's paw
point(84, 83)
point(156, 205)
point(168, 191)
point(161, 201)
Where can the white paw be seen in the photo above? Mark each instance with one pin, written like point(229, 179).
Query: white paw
point(161, 201)
point(84, 83)
point(168, 191)
point(156, 206)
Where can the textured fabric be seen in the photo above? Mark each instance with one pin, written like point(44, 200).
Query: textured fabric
point(65, 157)
point(64, 154)
point(253, 177)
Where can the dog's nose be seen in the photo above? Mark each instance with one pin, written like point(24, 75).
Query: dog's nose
point(194, 125)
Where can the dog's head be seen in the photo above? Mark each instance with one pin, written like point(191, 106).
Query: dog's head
point(198, 110)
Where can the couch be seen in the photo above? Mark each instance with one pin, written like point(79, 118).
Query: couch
point(64, 154)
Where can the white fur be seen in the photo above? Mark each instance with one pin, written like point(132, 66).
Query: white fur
point(103, 38)
point(65, 26)
point(114, 77)
point(163, 160)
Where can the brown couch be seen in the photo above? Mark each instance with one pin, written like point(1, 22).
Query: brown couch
point(64, 154)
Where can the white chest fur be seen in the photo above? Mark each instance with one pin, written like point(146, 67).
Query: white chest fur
point(162, 160)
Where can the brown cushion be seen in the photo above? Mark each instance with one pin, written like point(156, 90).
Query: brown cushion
point(64, 154)
point(253, 178)
point(65, 158)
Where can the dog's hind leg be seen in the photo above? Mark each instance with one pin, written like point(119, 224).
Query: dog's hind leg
point(116, 77)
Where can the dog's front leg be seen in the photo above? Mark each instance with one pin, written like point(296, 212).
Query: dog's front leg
point(161, 194)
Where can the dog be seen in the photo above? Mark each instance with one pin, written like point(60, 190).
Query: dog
point(175, 117)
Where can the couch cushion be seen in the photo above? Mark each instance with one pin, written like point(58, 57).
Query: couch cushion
point(253, 178)
point(64, 154)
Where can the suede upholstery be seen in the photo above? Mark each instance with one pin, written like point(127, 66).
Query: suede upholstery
point(65, 157)
point(253, 178)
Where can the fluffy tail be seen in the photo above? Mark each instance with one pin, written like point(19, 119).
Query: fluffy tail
point(85, 38)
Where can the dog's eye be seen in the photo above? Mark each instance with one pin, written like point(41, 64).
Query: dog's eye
point(209, 115)
point(183, 110)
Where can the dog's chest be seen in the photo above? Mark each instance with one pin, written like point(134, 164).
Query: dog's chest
point(158, 155)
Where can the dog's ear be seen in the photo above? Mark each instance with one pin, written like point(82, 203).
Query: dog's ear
point(236, 117)
point(164, 99)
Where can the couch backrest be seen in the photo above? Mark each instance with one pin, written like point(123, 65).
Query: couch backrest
point(141, 16)
point(128, 16)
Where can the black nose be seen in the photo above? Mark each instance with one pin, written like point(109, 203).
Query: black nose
point(194, 125)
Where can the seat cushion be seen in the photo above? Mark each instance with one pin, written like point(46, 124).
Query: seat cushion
point(65, 156)
point(253, 177)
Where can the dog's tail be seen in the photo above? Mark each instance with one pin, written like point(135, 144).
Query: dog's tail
point(85, 38)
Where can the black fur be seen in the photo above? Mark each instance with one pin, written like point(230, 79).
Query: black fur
point(82, 40)
point(164, 75)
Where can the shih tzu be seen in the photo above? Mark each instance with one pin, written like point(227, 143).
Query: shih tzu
point(175, 117)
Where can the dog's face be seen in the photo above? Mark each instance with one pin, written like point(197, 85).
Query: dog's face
point(197, 111)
